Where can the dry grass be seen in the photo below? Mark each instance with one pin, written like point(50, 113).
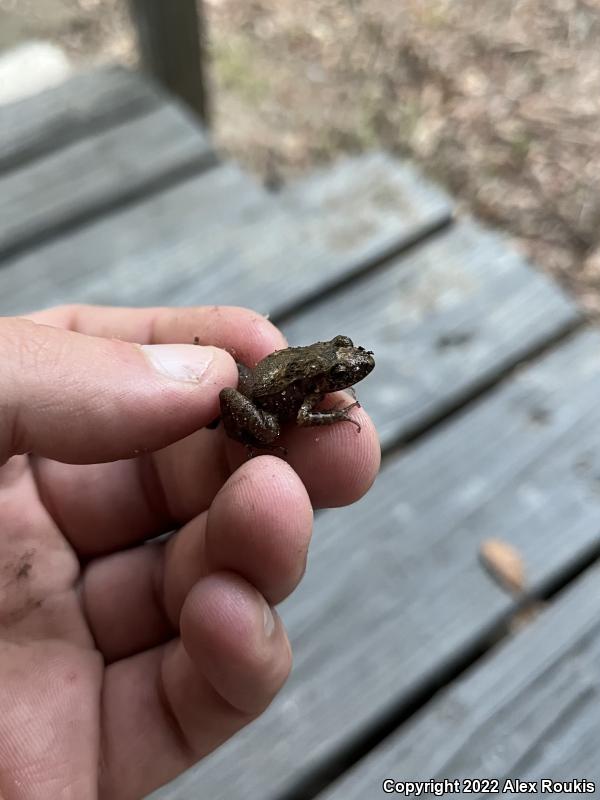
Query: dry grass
point(499, 100)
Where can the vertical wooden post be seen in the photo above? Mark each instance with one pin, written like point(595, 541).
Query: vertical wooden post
point(170, 35)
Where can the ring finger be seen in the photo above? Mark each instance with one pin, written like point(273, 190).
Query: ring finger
point(258, 526)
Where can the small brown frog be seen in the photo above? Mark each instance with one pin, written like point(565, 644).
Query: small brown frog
point(287, 385)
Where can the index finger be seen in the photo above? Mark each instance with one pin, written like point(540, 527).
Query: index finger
point(247, 335)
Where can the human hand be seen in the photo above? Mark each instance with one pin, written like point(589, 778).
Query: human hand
point(124, 662)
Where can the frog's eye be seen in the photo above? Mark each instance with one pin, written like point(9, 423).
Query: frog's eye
point(338, 371)
point(342, 341)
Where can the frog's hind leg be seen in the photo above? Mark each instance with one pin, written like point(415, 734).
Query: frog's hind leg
point(246, 423)
point(307, 416)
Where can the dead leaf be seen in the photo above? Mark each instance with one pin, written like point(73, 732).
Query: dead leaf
point(503, 563)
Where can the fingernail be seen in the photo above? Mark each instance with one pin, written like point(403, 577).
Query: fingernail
point(268, 620)
point(180, 362)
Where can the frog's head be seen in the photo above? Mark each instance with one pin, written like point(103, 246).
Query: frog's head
point(350, 364)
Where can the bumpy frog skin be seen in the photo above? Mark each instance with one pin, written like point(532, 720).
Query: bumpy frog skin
point(287, 385)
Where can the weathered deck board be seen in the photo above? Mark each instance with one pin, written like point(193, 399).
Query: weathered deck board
point(529, 709)
point(443, 320)
point(59, 116)
point(394, 591)
point(220, 238)
point(94, 173)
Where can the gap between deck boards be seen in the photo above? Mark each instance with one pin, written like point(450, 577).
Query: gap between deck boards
point(368, 267)
point(187, 170)
point(96, 157)
point(238, 268)
point(52, 120)
point(429, 425)
point(138, 108)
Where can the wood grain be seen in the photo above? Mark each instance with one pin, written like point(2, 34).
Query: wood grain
point(57, 117)
point(221, 238)
point(529, 709)
point(95, 173)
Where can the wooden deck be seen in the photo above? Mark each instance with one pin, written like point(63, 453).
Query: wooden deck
point(407, 661)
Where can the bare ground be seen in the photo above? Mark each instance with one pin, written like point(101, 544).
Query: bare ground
point(497, 99)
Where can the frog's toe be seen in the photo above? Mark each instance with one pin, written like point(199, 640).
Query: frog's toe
point(354, 422)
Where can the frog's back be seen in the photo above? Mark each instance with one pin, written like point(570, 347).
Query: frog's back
point(282, 380)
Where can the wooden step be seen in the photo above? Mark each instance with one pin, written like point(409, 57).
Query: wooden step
point(221, 238)
point(103, 170)
point(57, 117)
point(444, 320)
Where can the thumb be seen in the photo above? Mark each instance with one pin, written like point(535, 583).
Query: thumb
point(83, 399)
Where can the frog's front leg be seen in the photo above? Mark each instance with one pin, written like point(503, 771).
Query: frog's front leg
point(246, 423)
point(308, 416)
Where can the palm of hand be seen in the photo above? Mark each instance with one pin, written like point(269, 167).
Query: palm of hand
point(50, 670)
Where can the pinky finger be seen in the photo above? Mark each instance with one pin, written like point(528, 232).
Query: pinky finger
point(236, 641)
